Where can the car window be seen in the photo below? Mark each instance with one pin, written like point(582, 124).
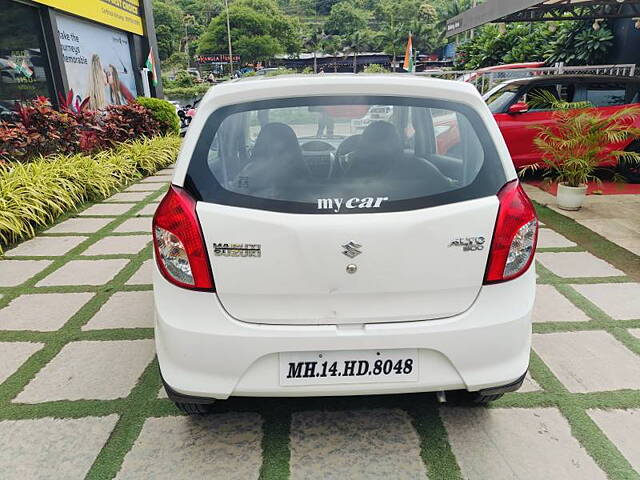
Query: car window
point(536, 98)
point(500, 98)
point(344, 156)
point(606, 94)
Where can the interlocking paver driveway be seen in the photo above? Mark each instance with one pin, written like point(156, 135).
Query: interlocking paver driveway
point(80, 394)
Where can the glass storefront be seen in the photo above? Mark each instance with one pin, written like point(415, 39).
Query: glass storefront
point(24, 67)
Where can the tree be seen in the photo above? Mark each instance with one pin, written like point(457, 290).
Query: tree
point(259, 31)
point(346, 19)
point(577, 43)
point(333, 46)
point(394, 38)
point(357, 43)
point(169, 27)
point(314, 41)
point(304, 7)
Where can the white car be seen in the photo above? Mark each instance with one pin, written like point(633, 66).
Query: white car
point(392, 261)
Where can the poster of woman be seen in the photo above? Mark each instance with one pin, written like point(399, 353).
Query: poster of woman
point(97, 61)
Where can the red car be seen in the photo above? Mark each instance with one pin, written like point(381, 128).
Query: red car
point(508, 103)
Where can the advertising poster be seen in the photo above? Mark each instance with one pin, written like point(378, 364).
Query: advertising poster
point(97, 61)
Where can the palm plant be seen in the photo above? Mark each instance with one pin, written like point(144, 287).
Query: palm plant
point(314, 41)
point(394, 37)
point(580, 139)
point(333, 46)
point(356, 43)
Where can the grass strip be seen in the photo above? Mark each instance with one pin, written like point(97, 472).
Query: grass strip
point(592, 242)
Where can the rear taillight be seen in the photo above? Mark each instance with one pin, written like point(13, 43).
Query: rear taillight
point(179, 245)
point(515, 236)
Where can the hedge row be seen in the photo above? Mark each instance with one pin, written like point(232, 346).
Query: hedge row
point(33, 195)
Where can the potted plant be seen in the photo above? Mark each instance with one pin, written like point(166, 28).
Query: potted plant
point(577, 143)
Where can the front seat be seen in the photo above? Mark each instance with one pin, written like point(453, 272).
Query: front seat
point(377, 150)
point(276, 160)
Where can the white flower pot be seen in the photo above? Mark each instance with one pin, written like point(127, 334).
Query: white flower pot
point(571, 198)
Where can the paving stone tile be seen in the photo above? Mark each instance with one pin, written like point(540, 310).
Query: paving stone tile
point(110, 209)
point(517, 443)
point(226, 446)
point(552, 306)
point(46, 246)
point(136, 224)
point(548, 238)
point(529, 385)
point(165, 171)
point(52, 448)
point(620, 300)
point(78, 371)
point(149, 209)
point(12, 356)
point(588, 361)
point(143, 275)
point(80, 225)
point(162, 393)
point(124, 310)
point(15, 272)
point(577, 264)
point(623, 429)
point(84, 272)
point(157, 178)
point(118, 245)
point(144, 187)
point(128, 197)
point(368, 444)
point(42, 312)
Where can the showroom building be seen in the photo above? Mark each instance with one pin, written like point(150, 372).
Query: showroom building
point(97, 48)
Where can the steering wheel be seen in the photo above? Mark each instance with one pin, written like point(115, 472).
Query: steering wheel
point(320, 147)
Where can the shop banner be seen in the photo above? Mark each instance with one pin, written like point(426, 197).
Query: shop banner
point(122, 14)
point(97, 61)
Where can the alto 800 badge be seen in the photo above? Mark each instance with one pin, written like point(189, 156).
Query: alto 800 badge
point(237, 250)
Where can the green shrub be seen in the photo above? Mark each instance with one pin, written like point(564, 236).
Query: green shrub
point(163, 112)
point(375, 68)
point(183, 79)
point(186, 92)
point(281, 71)
point(33, 195)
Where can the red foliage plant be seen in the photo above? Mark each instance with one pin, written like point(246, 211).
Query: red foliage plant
point(125, 122)
point(42, 130)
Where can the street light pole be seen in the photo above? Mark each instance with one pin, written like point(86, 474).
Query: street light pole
point(226, 3)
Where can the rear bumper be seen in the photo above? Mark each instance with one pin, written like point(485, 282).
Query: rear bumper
point(205, 353)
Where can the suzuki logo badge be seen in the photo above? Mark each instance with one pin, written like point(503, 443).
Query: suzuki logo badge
point(351, 249)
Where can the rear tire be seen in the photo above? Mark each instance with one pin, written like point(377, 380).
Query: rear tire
point(631, 171)
point(194, 408)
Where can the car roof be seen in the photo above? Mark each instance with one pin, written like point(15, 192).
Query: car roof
point(266, 87)
point(573, 78)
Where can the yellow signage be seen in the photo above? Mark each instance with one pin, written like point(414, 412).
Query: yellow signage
point(122, 14)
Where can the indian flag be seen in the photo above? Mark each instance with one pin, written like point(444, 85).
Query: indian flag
point(408, 55)
point(25, 69)
point(151, 65)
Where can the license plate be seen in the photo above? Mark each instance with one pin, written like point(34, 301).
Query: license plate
point(357, 366)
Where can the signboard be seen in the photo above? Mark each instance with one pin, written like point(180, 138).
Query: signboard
point(217, 58)
point(97, 61)
point(122, 14)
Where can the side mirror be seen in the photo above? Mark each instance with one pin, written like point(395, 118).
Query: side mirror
point(520, 107)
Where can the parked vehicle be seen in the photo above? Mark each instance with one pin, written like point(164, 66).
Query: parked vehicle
point(510, 104)
point(265, 71)
point(290, 264)
point(501, 72)
point(186, 114)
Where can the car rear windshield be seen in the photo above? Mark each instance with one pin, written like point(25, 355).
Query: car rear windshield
point(344, 155)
